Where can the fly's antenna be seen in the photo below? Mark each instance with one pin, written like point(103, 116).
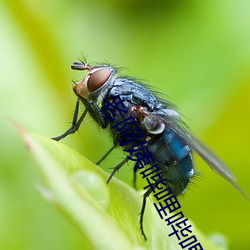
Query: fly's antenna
point(80, 66)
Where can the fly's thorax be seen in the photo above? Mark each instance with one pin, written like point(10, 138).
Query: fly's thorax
point(95, 84)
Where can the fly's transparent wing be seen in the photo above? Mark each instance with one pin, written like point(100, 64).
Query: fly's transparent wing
point(208, 156)
point(176, 125)
point(212, 160)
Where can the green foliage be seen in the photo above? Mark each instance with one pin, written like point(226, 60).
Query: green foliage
point(194, 52)
point(106, 216)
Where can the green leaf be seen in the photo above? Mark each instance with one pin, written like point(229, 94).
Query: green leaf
point(106, 215)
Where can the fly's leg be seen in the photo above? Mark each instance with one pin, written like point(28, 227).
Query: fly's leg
point(105, 155)
point(75, 124)
point(91, 107)
point(116, 168)
point(145, 196)
point(97, 113)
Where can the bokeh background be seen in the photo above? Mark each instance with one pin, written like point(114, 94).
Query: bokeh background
point(195, 52)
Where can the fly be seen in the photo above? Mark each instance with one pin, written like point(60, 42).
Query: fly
point(165, 134)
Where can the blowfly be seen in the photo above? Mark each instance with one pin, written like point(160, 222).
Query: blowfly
point(164, 133)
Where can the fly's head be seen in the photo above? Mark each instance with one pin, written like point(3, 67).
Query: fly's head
point(96, 79)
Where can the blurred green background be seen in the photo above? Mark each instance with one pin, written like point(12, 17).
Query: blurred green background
point(196, 52)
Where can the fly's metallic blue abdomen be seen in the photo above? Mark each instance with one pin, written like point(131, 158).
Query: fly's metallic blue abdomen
point(174, 157)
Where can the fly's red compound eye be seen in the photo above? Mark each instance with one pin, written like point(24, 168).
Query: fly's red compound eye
point(97, 79)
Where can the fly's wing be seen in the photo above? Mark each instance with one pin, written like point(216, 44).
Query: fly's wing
point(175, 124)
point(212, 160)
